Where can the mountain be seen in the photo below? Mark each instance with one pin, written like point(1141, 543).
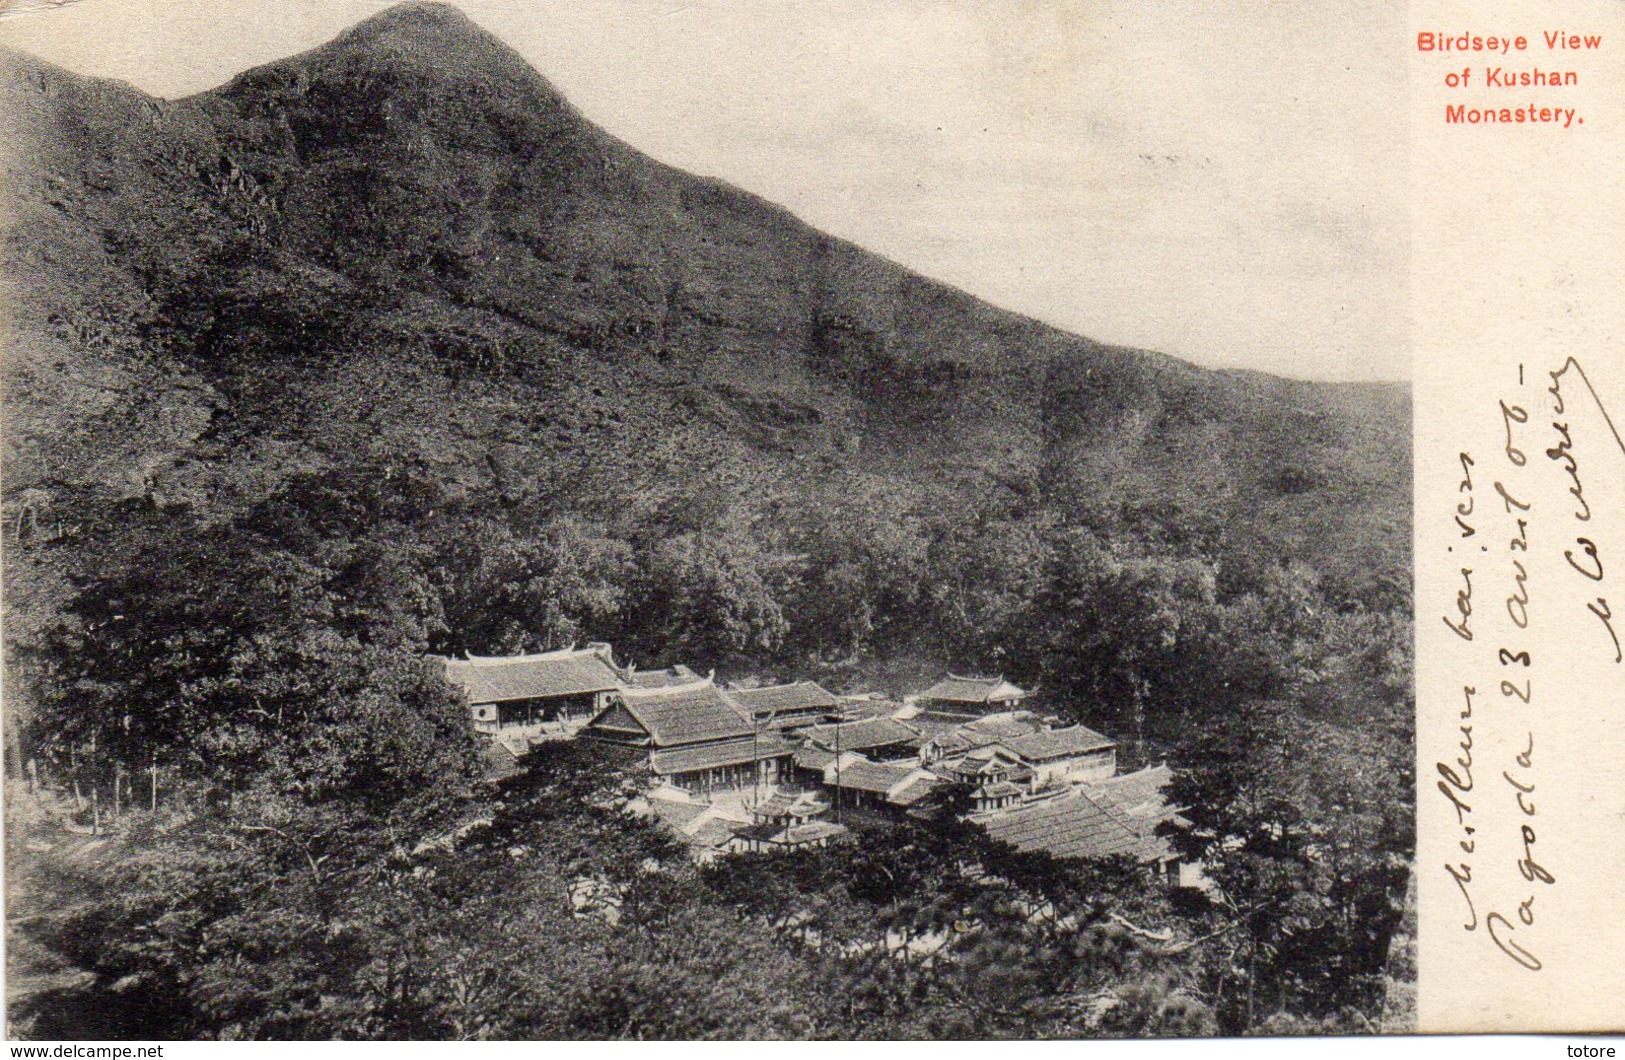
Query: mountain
point(405, 250)
point(383, 350)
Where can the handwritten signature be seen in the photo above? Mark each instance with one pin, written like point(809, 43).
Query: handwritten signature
point(1587, 561)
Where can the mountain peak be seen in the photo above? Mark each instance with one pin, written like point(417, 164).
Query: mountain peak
point(418, 18)
point(421, 41)
point(437, 34)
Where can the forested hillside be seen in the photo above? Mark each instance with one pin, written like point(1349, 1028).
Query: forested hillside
point(382, 351)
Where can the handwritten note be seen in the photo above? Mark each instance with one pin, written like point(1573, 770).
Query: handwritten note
point(1529, 602)
point(1518, 339)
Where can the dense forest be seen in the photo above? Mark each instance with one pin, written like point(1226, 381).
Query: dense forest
point(382, 352)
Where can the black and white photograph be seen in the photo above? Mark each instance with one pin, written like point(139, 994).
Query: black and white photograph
point(715, 520)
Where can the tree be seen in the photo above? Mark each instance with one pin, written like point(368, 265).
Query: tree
point(709, 596)
point(1123, 621)
point(1302, 829)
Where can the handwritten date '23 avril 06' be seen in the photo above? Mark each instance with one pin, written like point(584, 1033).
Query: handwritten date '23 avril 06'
point(1505, 511)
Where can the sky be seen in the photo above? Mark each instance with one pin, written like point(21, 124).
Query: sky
point(1222, 180)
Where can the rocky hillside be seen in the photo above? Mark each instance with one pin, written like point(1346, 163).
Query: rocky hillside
point(405, 250)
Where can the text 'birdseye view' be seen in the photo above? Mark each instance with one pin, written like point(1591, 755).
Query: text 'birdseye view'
point(467, 579)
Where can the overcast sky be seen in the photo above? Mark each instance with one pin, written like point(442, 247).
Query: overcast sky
point(1223, 181)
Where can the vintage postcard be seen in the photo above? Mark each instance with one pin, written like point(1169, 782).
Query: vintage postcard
point(645, 519)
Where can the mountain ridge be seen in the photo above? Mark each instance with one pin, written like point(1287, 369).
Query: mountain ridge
point(405, 248)
point(382, 354)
